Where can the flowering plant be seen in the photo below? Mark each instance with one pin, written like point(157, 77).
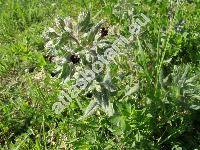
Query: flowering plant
point(80, 46)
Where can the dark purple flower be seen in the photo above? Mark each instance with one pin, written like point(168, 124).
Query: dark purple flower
point(104, 32)
point(74, 58)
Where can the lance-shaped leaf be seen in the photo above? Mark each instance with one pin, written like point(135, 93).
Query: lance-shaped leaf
point(64, 39)
point(107, 81)
point(65, 71)
point(195, 107)
point(84, 22)
point(58, 107)
point(50, 34)
point(184, 76)
point(103, 100)
point(90, 109)
point(197, 97)
point(94, 31)
point(161, 76)
point(192, 79)
point(66, 36)
point(132, 90)
point(60, 23)
point(68, 23)
point(110, 110)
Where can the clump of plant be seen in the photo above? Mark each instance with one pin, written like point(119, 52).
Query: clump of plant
point(77, 47)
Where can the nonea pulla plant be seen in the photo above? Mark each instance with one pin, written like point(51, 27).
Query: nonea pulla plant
point(84, 54)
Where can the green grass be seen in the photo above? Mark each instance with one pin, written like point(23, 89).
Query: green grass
point(163, 113)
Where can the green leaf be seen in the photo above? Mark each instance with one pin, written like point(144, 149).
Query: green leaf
point(183, 78)
point(58, 107)
point(90, 109)
point(60, 23)
point(50, 33)
point(110, 110)
point(195, 107)
point(138, 137)
point(196, 97)
point(103, 99)
point(107, 81)
point(65, 71)
point(132, 90)
point(120, 122)
point(192, 79)
point(66, 36)
point(94, 31)
point(84, 22)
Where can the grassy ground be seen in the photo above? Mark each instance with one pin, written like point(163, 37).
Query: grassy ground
point(162, 114)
